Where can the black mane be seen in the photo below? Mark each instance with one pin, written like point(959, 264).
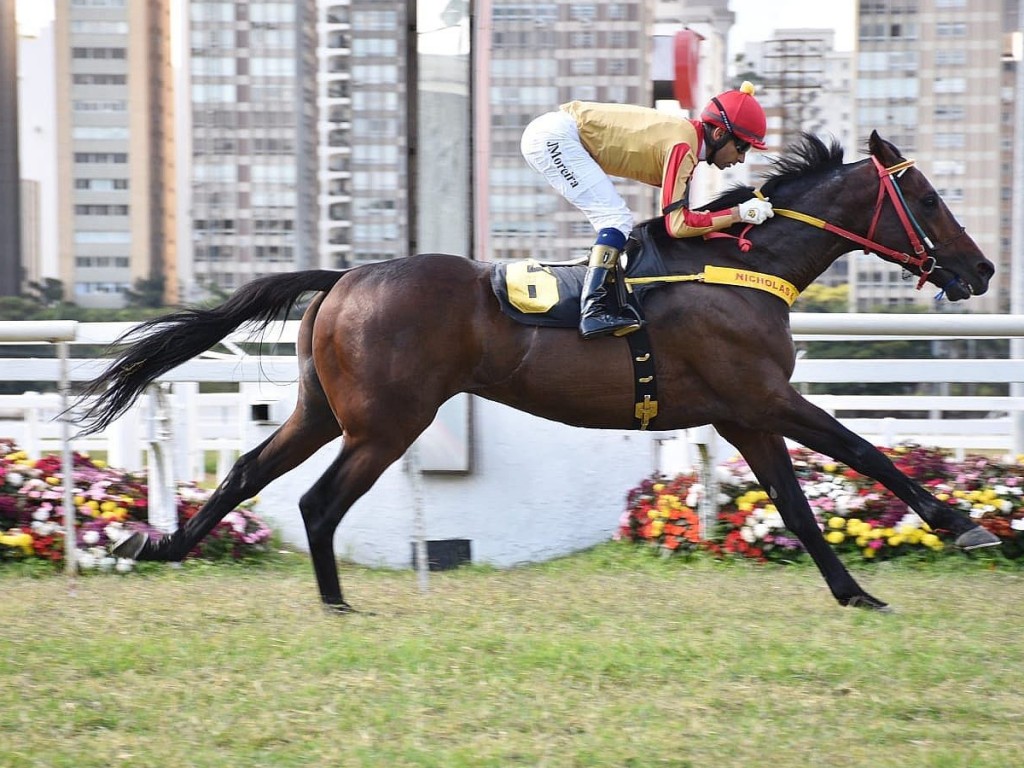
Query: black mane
point(809, 156)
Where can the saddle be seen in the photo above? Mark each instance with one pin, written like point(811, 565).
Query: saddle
point(548, 294)
point(534, 293)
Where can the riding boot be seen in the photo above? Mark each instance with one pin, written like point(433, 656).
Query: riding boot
point(600, 311)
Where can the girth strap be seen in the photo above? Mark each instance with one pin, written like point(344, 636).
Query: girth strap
point(645, 387)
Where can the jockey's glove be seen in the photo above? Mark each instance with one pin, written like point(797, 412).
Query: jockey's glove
point(755, 211)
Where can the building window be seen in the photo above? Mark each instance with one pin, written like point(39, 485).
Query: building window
point(101, 157)
point(97, 53)
point(101, 210)
point(951, 29)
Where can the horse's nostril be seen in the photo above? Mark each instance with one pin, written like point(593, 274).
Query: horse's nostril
point(986, 270)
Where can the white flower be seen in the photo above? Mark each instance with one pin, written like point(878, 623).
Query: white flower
point(124, 564)
point(43, 529)
point(747, 534)
point(41, 515)
point(91, 537)
point(1017, 524)
point(15, 479)
point(86, 561)
point(761, 530)
point(107, 563)
point(1005, 506)
point(115, 532)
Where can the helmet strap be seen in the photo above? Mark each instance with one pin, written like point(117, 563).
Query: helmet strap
point(712, 144)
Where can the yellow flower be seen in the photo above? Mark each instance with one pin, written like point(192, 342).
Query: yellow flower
point(51, 480)
point(79, 501)
point(19, 540)
point(836, 523)
point(108, 506)
point(656, 528)
point(835, 537)
point(932, 541)
point(869, 552)
point(862, 541)
point(942, 496)
point(659, 487)
point(99, 464)
point(895, 541)
point(829, 467)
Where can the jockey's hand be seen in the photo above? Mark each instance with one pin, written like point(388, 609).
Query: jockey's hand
point(755, 211)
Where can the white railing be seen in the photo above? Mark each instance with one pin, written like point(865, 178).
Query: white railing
point(222, 423)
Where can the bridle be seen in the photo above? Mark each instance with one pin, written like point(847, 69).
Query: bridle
point(923, 256)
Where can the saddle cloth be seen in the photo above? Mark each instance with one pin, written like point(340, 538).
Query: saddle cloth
point(533, 293)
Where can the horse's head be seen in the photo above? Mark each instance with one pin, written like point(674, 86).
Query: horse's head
point(943, 253)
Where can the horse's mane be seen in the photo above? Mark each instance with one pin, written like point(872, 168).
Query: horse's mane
point(807, 157)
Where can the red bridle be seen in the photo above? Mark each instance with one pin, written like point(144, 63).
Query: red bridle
point(887, 188)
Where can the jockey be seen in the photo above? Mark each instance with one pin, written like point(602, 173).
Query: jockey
point(580, 145)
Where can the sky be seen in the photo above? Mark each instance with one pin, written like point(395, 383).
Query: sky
point(757, 19)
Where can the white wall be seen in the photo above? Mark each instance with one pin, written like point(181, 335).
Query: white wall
point(537, 490)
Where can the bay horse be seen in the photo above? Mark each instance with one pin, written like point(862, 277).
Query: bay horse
point(382, 346)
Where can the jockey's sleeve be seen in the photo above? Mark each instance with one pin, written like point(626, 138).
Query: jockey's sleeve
point(680, 221)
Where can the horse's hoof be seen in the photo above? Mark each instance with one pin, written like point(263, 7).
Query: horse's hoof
point(131, 546)
point(869, 602)
point(977, 538)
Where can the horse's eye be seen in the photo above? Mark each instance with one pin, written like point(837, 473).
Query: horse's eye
point(930, 201)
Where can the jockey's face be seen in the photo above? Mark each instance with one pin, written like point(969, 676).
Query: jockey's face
point(732, 151)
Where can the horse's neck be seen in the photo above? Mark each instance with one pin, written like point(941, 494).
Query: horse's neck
point(802, 251)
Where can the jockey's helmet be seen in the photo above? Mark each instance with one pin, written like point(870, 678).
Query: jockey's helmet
point(739, 113)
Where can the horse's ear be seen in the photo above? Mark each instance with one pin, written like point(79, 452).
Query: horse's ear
point(885, 151)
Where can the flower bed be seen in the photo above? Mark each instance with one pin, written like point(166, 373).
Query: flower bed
point(858, 516)
point(109, 504)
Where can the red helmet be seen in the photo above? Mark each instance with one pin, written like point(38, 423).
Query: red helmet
point(739, 113)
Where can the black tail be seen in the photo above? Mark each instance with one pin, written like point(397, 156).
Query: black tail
point(163, 343)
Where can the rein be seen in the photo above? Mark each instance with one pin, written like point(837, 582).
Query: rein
point(887, 187)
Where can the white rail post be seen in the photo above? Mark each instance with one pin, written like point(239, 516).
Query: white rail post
point(163, 514)
point(419, 521)
point(705, 438)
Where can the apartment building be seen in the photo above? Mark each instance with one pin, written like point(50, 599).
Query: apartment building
point(114, 144)
point(10, 179)
point(252, 79)
point(538, 55)
point(932, 78)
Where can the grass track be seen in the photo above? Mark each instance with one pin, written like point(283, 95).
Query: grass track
point(608, 658)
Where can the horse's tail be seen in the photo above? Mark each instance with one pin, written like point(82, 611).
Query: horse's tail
point(158, 345)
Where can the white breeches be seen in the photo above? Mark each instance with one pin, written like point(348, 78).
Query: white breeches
point(551, 144)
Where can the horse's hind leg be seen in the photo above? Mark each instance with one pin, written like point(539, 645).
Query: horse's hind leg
point(305, 431)
point(769, 460)
point(355, 470)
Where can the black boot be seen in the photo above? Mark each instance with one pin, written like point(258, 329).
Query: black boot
point(600, 312)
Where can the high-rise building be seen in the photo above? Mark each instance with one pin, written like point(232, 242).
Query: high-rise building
point(537, 56)
point(931, 79)
point(364, 194)
point(37, 151)
point(115, 149)
point(10, 176)
point(252, 75)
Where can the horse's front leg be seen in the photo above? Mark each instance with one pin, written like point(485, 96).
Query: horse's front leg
point(814, 428)
point(769, 460)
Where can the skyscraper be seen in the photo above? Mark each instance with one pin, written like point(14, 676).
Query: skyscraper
point(10, 177)
point(540, 55)
point(254, 184)
point(931, 80)
point(115, 149)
